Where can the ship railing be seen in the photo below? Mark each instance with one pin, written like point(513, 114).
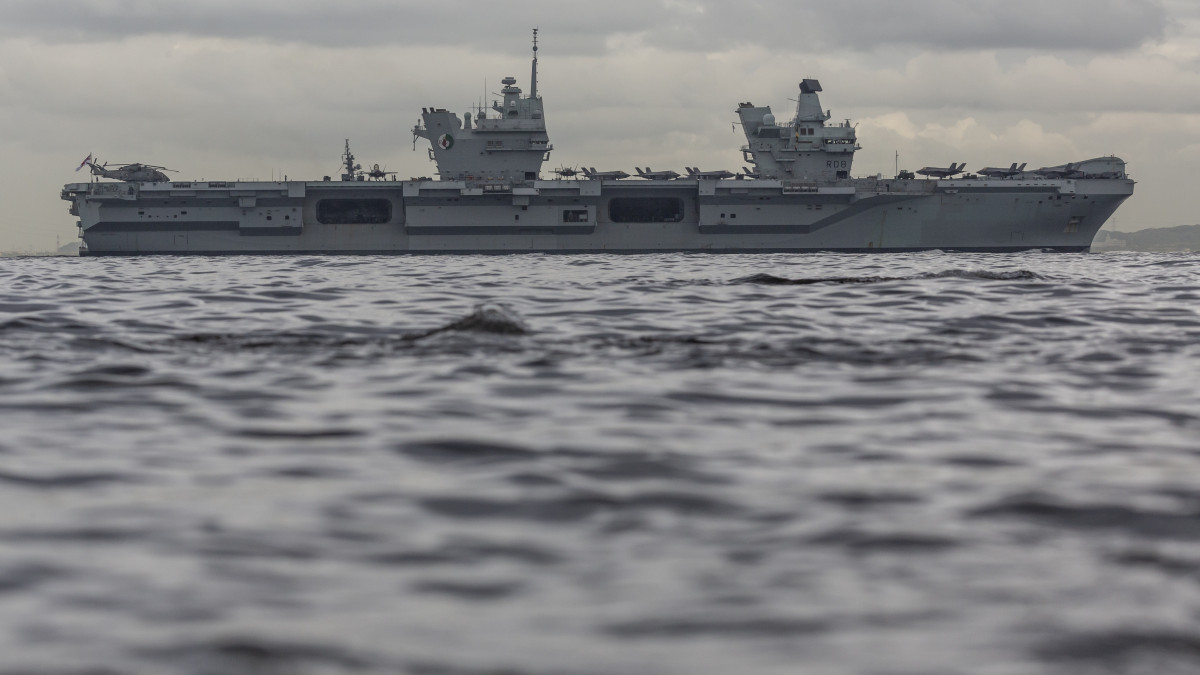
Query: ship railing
point(791, 187)
point(492, 124)
point(502, 146)
point(123, 190)
point(892, 185)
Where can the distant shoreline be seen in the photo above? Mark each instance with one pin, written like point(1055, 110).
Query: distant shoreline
point(70, 249)
point(1152, 240)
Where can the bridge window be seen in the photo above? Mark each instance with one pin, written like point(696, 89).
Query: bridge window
point(353, 211)
point(645, 210)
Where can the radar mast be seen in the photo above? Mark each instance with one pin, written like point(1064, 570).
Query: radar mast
point(533, 77)
point(349, 168)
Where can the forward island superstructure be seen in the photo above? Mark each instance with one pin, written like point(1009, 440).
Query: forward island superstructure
point(797, 194)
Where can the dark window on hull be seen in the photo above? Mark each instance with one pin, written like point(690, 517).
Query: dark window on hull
point(645, 210)
point(353, 211)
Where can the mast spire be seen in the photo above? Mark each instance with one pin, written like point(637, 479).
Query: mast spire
point(533, 79)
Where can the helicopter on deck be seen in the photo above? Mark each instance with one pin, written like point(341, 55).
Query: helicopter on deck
point(130, 173)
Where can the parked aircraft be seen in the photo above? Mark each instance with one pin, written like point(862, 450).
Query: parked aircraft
point(940, 172)
point(377, 173)
point(695, 172)
point(593, 174)
point(1060, 171)
point(131, 173)
point(993, 172)
point(656, 175)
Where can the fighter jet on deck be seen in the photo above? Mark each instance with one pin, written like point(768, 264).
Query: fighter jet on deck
point(695, 172)
point(940, 172)
point(656, 175)
point(593, 174)
point(993, 172)
point(1060, 171)
point(377, 173)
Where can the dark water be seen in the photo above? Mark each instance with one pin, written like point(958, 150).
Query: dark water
point(523, 465)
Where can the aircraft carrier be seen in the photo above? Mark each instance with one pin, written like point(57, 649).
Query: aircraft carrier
point(796, 194)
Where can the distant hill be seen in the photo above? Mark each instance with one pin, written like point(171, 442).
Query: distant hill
point(70, 249)
point(1179, 238)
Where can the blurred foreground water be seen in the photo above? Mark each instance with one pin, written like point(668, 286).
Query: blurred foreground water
point(888, 464)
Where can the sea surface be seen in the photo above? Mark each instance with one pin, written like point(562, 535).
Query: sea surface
point(908, 464)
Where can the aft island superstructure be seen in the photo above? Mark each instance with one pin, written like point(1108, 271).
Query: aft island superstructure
point(797, 194)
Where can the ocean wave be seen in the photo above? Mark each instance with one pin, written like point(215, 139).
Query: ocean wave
point(66, 480)
point(578, 505)
point(1053, 512)
point(491, 318)
point(249, 653)
point(980, 275)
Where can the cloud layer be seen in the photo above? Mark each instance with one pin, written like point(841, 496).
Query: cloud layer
point(692, 25)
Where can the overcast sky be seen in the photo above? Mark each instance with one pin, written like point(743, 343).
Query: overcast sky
point(225, 89)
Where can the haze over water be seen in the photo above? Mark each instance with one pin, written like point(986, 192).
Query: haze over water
point(889, 464)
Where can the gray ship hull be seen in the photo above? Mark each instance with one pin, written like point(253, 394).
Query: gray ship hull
point(568, 216)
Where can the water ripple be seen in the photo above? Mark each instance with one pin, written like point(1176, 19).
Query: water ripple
point(534, 464)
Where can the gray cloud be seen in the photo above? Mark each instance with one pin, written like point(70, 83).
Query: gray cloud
point(327, 24)
point(1099, 25)
point(785, 26)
